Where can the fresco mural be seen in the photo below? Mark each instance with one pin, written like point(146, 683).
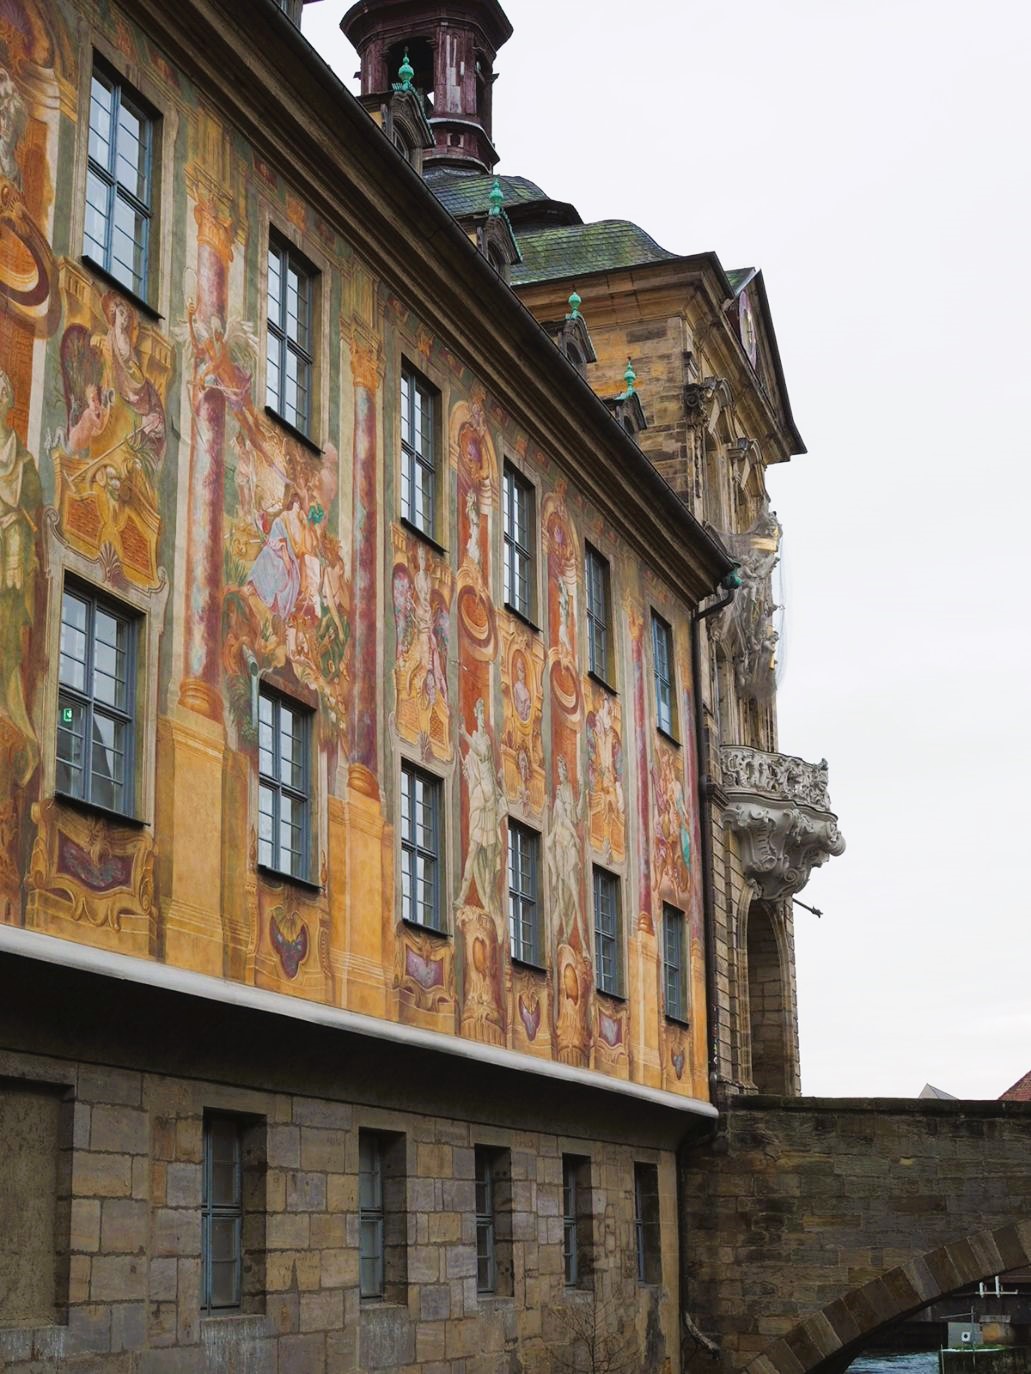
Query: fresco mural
point(421, 590)
point(284, 572)
point(522, 741)
point(286, 598)
point(108, 454)
point(607, 806)
point(480, 919)
point(564, 841)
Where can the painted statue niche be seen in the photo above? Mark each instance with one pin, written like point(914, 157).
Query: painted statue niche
point(607, 818)
point(522, 686)
point(109, 452)
point(421, 586)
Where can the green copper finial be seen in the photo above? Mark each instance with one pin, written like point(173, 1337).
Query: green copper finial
point(497, 197)
point(630, 377)
point(575, 302)
point(406, 72)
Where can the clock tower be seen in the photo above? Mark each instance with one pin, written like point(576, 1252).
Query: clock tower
point(452, 46)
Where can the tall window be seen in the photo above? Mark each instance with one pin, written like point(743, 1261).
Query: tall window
point(119, 181)
point(96, 702)
point(599, 613)
point(606, 932)
point(486, 1226)
point(284, 785)
point(381, 1215)
point(370, 1204)
point(288, 386)
point(418, 452)
point(576, 1220)
point(519, 543)
point(646, 1223)
point(665, 676)
point(673, 945)
point(222, 1214)
point(523, 884)
point(421, 850)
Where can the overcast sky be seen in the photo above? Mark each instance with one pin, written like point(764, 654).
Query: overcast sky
point(871, 156)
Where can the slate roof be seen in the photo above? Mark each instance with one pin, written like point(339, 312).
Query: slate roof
point(572, 250)
point(739, 277)
point(467, 194)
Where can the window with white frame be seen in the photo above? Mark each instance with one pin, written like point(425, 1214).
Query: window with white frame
point(96, 725)
point(119, 181)
point(674, 946)
point(284, 785)
point(421, 848)
point(290, 347)
point(599, 613)
point(520, 572)
point(609, 971)
point(419, 410)
point(523, 889)
point(665, 675)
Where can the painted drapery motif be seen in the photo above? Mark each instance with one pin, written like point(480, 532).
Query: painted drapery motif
point(605, 772)
point(522, 685)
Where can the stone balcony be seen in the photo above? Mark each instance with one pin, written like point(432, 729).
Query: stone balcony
point(779, 809)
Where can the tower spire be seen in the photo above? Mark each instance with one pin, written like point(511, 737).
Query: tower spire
point(449, 47)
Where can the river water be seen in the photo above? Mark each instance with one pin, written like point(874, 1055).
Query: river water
point(912, 1362)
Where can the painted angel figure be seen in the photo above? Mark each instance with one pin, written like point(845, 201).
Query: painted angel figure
point(487, 811)
point(13, 119)
point(225, 358)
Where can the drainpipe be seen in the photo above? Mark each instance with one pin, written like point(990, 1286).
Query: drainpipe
point(730, 585)
point(690, 1335)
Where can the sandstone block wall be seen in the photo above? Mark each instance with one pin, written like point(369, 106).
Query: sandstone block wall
point(812, 1223)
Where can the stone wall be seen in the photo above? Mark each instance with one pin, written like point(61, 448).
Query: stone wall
point(136, 1070)
point(811, 1223)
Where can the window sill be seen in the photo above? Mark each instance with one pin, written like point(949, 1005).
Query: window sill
point(521, 615)
point(596, 677)
point(143, 306)
point(293, 431)
point(278, 876)
point(370, 1305)
point(529, 966)
point(667, 736)
point(92, 809)
point(678, 1020)
point(413, 528)
point(426, 930)
point(241, 1326)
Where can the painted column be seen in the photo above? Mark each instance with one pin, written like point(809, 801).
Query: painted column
point(645, 914)
point(365, 580)
point(202, 621)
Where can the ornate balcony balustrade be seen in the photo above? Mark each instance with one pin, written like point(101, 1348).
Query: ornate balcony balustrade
point(779, 808)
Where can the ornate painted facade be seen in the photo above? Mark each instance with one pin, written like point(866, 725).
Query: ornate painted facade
point(264, 569)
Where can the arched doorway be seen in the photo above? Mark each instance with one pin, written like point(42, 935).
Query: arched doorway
point(768, 1004)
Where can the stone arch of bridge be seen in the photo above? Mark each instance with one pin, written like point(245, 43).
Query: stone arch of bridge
point(827, 1340)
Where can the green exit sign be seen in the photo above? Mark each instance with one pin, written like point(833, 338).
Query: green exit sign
point(67, 715)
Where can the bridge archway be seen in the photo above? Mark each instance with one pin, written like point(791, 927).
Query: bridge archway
point(827, 1340)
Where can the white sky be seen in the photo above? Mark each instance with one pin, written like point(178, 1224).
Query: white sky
point(871, 156)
